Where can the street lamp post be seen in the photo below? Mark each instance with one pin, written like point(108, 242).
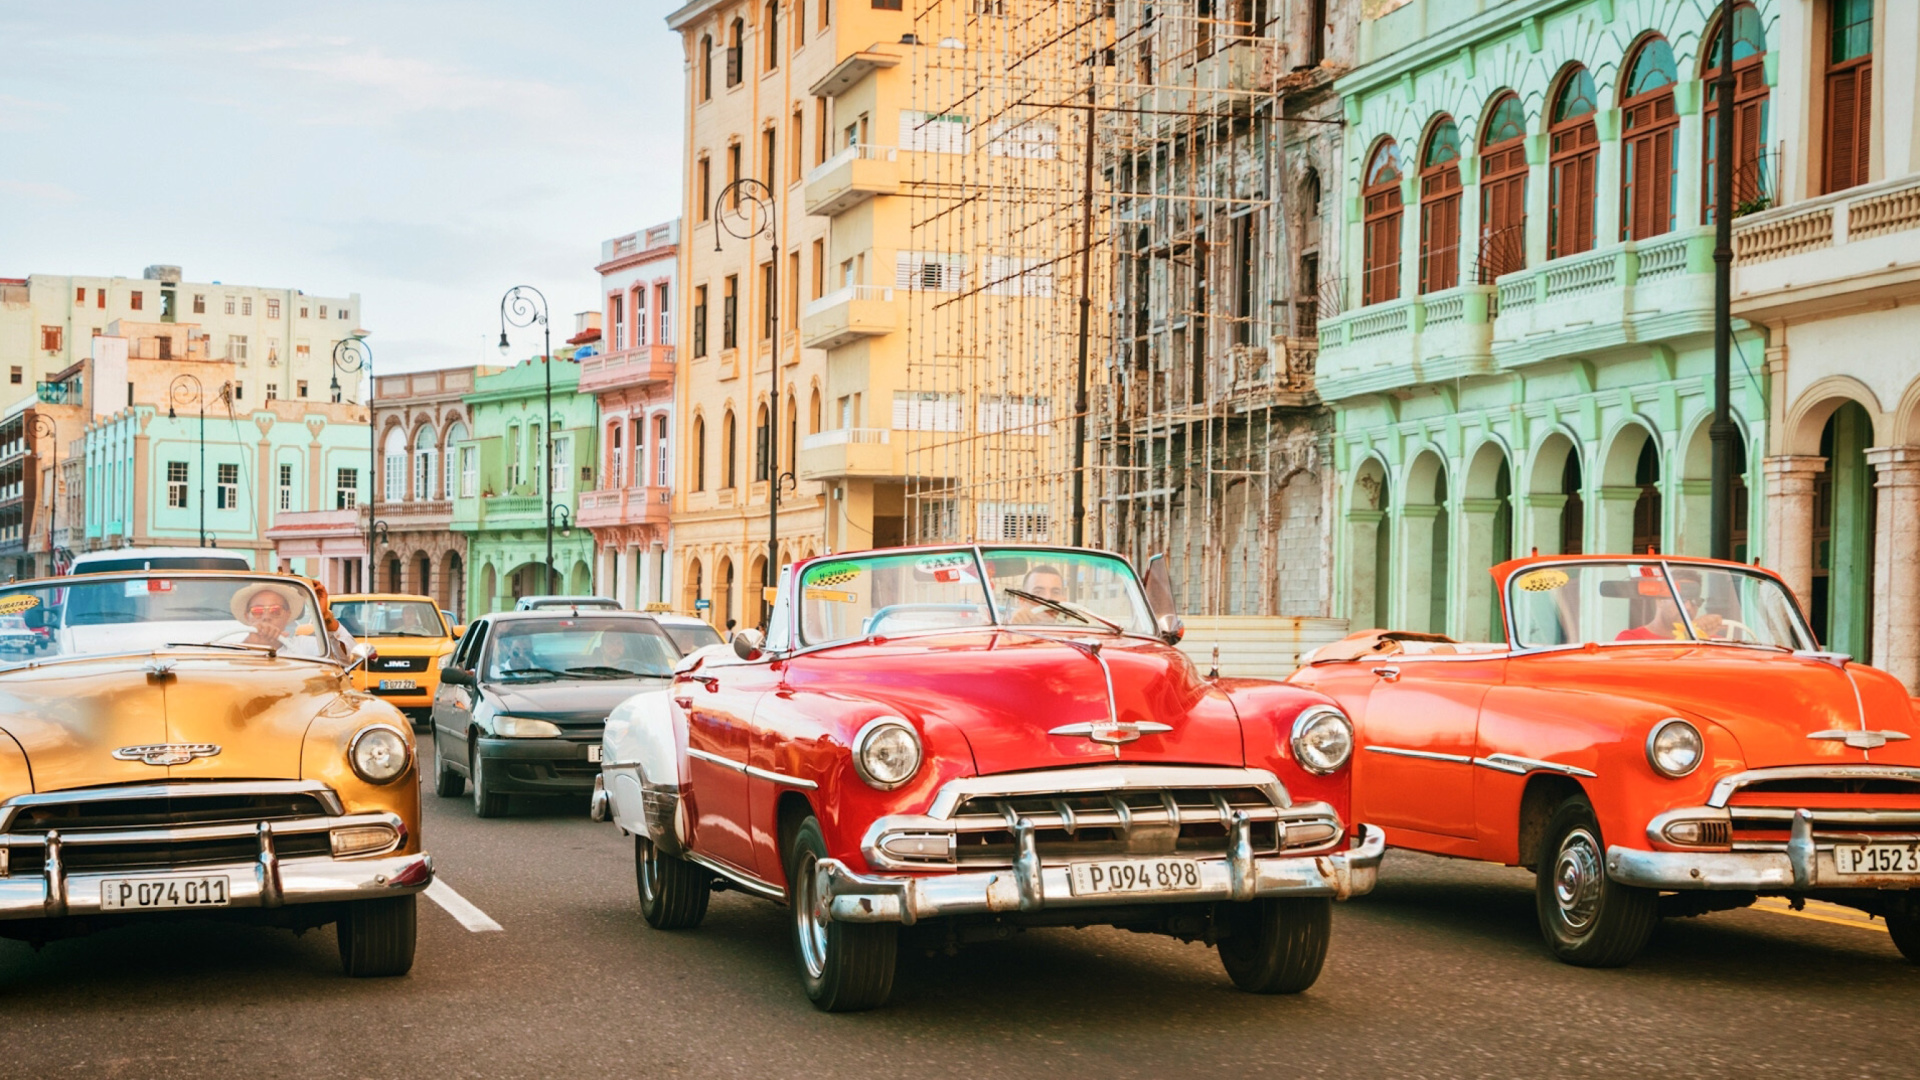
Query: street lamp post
point(1722, 433)
point(524, 305)
point(754, 206)
point(45, 427)
point(176, 394)
point(565, 525)
point(351, 354)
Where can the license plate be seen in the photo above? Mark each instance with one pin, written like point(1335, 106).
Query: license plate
point(593, 752)
point(1135, 876)
point(149, 894)
point(1877, 858)
point(399, 684)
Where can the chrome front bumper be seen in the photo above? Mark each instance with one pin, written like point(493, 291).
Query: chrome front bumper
point(1806, 864)
point(1028, 886)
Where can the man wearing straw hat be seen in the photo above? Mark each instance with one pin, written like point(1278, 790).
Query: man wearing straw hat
point(268, 610)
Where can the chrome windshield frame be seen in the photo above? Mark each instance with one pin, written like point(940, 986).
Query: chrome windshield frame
point(1667, 566)
point(335, 653)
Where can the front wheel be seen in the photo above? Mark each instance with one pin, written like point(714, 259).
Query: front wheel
point(486, 801)
point(845, 967)
point(1277, 945)
point(376, 937)
point(447, 782)
point(673, 892)
point(1587, 918)
point(1905, 931)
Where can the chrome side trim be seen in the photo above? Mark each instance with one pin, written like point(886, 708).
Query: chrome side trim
point(329, 799)
point(1724, 789)
point(1425, 755)
point(1520, 766)
point(1070, 781)
point(759, 773)
point(740, 878)
point(716, 759)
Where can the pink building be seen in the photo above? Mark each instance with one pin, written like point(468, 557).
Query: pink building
point(629, 370)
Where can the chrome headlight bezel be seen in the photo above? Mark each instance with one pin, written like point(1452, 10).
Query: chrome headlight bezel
point(360, 740)
point(864, 741)
point(509, 726)
point(1654, 749)
point(1315, 718)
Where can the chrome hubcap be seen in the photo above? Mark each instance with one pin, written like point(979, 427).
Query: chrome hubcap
point(810, 917)
point(1577, 877)
point(649, 871)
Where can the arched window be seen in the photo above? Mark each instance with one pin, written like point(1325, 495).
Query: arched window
point(660, 461)
point(1503, 189)
point(1849, 64)
point(736, 31)
point(730, 446)
point(450, 458)
point(1574, 143)
point(1647, 177)
point(706, 67)
point(423, 470)
point(699, 453)
point(770, 26)
point(762, 435)
point(793, 433)
point(394, 486)
point(1380, 279)
point(1440, 208)
point(813, 412)
point(1752, 186)
point(616, 467)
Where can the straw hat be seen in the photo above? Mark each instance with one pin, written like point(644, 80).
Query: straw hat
point(243, 596)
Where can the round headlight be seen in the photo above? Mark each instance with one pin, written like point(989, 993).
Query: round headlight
point(1322, 739)
point(1674, 747)
point(524, 727)
point(886, 752)
point(379, 754)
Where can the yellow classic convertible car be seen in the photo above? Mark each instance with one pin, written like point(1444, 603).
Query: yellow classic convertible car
point(409, 638)
point(189, 743)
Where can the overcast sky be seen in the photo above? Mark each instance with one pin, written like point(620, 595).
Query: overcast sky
point(428, 154)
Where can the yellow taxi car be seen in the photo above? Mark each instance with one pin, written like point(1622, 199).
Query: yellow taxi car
point(409, 637)
point(181, 742)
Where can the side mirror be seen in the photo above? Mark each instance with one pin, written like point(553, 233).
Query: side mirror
point(456, 676)
point(1157, 582)
point(363, 654)
point(747, 643)
point(1171, 628)
point(460, 631)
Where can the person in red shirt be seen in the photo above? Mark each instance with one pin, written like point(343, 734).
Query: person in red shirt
point(1666, 624)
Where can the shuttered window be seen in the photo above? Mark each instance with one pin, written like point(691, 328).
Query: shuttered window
point(922, 410)
point(1380, 262)
point(1647, 177)
point(1440, 208)
point(1849, 124)
point(944, 133)
point(929, 271)
point(1503, 191)
point(1573, 145)
point(1753, 186)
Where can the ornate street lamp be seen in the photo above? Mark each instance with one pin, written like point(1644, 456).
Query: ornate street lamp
point(524, 305)
point(177, 392)
point(45, 427)
point(352, 354)
point(755, 213)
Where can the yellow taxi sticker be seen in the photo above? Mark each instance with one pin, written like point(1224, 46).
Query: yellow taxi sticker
point(833, 595)
point(14, 605)
point(1542, 580)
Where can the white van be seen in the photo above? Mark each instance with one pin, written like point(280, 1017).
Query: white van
point(158, 558)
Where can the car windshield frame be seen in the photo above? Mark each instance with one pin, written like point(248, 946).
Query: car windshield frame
point(1511, 586)
point(307, 623)
point(339, 604)
point(976, 566)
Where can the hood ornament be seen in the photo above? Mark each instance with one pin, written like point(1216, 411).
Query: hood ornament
point(1112, 732)
point(166, 753)
point(1861, 740)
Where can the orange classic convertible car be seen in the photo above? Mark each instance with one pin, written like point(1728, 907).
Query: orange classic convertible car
point(1659, 736)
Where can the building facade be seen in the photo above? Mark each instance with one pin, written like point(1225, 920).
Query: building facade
point(422, 417)
point(1524, 360)
point(501, 482)
point(1830, 267)
point(630, 373)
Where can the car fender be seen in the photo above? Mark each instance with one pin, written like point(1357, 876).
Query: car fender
point(641, 755)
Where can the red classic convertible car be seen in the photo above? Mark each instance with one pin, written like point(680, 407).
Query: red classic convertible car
point(959, 742)
point(1660, 736)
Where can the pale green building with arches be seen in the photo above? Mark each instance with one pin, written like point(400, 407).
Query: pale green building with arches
point(1525, 361)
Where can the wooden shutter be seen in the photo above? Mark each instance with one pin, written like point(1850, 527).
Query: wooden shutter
point(1863, 124)
point(1843, 107)
point(1580, 213)
point(1440, 240)
point(1381, 276)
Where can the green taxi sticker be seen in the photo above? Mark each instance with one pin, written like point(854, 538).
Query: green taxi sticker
point(832, 573)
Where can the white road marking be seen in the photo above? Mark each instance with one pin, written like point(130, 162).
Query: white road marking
point(460, 907)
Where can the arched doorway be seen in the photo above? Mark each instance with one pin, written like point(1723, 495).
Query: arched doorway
point(453, 585)
point(423, 573)
point(754, 608)
point(1841, 601)
point(1632, 511)
point(1369, 544)
point(723, 592)
point(1556, 512)
point(1426, 543)
point(394, 584)
point(691, 592)
point(489, 588)
point(580, 579)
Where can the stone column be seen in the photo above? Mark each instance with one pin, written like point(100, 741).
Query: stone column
point(1541, 512)
point(1790, 520)
point(1366, 596)
point(1475, 586)
point(1614, 506)
point(622, 576)
point(1413, 570)
point(1694, 501)
point(1896, 614)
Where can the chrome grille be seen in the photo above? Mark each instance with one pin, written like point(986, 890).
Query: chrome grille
point(1086, 825)
point(149, 808)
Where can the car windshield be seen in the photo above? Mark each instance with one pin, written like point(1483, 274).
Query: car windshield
point(688, 636)
point(582, 648)
point(90, 615)
point(858, 596)
point(389, 618)
point(1605, 602)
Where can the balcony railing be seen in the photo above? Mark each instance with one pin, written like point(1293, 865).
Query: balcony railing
point(846, 436)
point(856, 152)
point(849, 313)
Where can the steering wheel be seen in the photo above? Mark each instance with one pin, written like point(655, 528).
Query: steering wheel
point(1734, 630)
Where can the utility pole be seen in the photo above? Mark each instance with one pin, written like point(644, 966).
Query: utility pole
point(1086, 314)
point(1722, 433)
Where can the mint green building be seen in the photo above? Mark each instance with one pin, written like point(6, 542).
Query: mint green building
point(1525, 356)
point(499, 493)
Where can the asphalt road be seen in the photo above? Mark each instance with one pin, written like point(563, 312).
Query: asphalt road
point(1439, 973)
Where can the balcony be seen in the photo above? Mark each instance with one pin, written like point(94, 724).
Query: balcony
point(1854, 246)
point(514, 511)
point(851, 177)
point(843, 452)
point(625, 506)
point(848, 314)
point(648, 365)
point(1441, 335)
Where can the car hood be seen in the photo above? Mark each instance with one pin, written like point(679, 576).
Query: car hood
point(1006, 691)
point(69, 717)
point(1770, 702)
point(568, 700)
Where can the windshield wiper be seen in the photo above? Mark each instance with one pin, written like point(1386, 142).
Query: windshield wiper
point(1087, 617)
point(531, 671)
point(607, 671)
point(237, 646)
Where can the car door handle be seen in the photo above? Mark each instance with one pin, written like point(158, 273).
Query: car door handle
point(1389, 673)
